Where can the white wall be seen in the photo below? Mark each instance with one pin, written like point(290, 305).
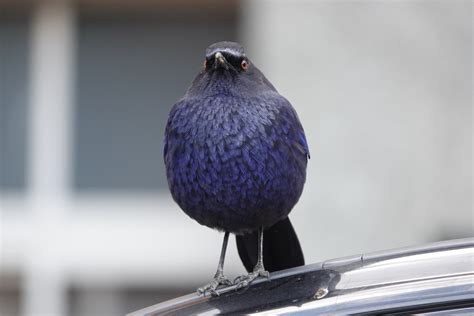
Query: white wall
point(383, 90)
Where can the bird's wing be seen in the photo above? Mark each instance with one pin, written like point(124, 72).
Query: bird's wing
point(289, 122)
point(168, 130)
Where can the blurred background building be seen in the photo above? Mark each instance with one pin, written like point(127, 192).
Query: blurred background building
point(87, 226)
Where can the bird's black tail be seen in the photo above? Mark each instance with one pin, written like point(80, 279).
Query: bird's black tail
point(281, 248)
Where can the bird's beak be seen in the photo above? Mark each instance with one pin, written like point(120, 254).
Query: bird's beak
point(220, 61)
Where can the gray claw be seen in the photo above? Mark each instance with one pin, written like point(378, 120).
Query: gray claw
point(245, 280)
point(211, 287)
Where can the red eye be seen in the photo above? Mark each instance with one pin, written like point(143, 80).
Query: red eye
point(244, 64)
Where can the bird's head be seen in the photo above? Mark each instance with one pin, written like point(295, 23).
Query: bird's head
point(226, 56)
point(228, 71)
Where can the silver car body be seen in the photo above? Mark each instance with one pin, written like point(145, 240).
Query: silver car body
point(433, 279)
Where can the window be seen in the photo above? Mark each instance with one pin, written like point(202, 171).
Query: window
point(131, 70)
point(14, 32)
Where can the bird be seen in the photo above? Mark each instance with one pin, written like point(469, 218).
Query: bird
point(236, 155)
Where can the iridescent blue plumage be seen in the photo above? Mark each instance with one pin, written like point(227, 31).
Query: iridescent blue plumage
point(235, 152)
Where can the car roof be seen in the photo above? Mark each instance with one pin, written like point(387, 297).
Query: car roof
point(394, 280)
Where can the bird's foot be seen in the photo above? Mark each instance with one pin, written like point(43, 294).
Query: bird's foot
point(245, 280)
point(211, 287)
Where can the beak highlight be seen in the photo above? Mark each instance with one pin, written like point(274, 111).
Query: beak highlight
point(220, 61)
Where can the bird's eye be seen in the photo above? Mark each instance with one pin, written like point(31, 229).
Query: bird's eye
point(244, 65)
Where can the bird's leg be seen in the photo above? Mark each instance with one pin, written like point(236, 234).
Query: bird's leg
point(219, 278)
point(258, 270)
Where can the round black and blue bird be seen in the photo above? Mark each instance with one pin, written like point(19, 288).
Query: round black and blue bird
point(236, 155)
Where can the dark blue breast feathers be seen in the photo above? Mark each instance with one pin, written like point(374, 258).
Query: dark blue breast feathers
point(235, 163)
